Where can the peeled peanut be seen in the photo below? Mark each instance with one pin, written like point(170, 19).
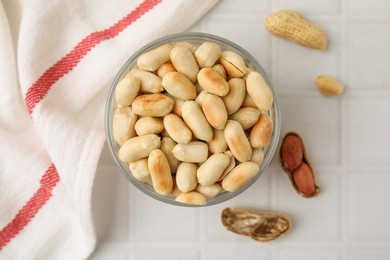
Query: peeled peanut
point(123, 124)
point(230, 166)
point(239, 176)
point(246, 116)
point(257, 155)
point(215, 111)
point(138, 147)
point(149, 125)
point(160, 172)
point(152, 60)
point(167, 145)
point(179, 86)
point(259, 91)
point(184, 62)
point(192, 48)
point(195, 119)
point(237, 91)
point(177, 129)
point(209, 191)
point(220, 70)
point(126, 90)
point(175, 190)
point(261, 132)
point(140, 170)
point(328, 85)
point(149, 81)
point(218, 143)
point(191, 197)
point(212, 82)
point(210, 171)
point(199, 99)
point(237, 141)
point(194, 151)
point(165, 68)
point(248, 102)
point(177, 106)
point(207, 54)
point(152, 105)
point(233, 63)
point(186, 179)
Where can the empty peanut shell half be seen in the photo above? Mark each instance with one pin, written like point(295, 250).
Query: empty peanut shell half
point(295, 162)
point(261, 226)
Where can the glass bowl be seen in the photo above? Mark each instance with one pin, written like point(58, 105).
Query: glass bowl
point(195, 39)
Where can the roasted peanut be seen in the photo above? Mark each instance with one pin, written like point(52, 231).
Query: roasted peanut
point(191, 197)
point(259, 91)
point(127, 90)
point(165, 68)
point(240, 176)
point(220, 70)
point(140, 170)
point(248, 102)
point(167, 145)
point(179, 86)
point(186, 179)
point(149, 81)
point(184, 62)
point(237, 91)
point(209, 191)
point(237, 141)
point(230, 166)
point(246, 116)
point(212, 82)
point(153, 59)
point(257, 155)
point(215, 111)
point(210, 171)
point(207, 54)
point(160, 172)
point(195, 119)
point(328, 85)
point(194, 151)
point(177, 129)
point(177, 106)
point(218, 143)
point(152, 105)
point(192, 48)
point(292, 26)
point(149, 125)
point(138, 147)
point(123, 124)
point(233, 63)
point(261, 132)
point(199, 99)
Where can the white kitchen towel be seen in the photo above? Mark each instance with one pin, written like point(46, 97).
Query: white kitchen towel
point(57, 61)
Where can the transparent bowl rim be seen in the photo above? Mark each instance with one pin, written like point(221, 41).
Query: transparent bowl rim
point(188, 36)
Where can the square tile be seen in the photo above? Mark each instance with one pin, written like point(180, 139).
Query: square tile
point(156, 221)
point(234, 252)
point(368, 135)
point(368, 55)
point(369, 253)
point(313, 219)
point(308, 253)
point(235, 7)
point(246, 31)
point(375, 7)
point(110, 205)
point(173, 252)
point(103, 252)
point(255, 197)
point(369, 210)
point(310, 7)
point(297, 66)
point(317, 120)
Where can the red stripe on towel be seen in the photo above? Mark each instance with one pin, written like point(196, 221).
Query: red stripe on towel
point(48, 181)
point(40, 88)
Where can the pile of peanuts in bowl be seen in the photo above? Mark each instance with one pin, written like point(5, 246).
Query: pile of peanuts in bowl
point(192, 119)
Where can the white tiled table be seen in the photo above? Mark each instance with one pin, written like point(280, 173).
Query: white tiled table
point(348, 138)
